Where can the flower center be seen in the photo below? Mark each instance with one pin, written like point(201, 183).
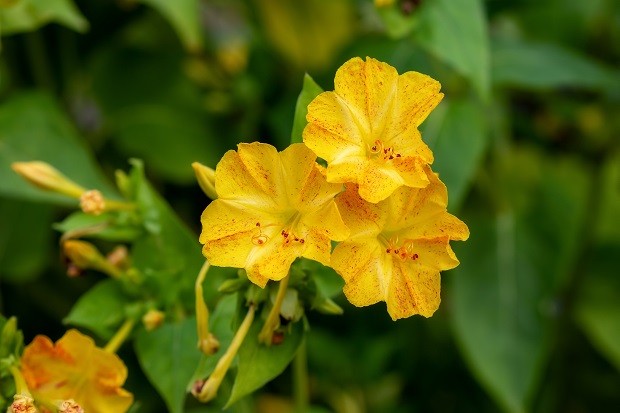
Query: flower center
point(289, 232)
point(404, 251)
point(379, 151)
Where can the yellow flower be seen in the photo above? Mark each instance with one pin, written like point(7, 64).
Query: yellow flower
point(367, 128)
point(271, 208)
point(74, 368)
point(397, 248)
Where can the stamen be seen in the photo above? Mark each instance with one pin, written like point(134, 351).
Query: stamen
point(260, 239)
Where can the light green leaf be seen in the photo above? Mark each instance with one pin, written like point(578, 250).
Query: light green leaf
point(25, 243)
point(309, 91)
point(183, 15)
point(598, 309)
point(168, 356)
point(259, 364)
point(548, 66)
point(113, 226)
point(101, 309)
point(29, 15)
point(459, 146)
point(511, 268)
point(32, 127)
point(456, 31)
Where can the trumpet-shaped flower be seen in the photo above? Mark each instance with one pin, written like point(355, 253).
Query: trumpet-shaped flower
point(74, 368)
point(397, 248)
point(271, 208)
point(367, 128)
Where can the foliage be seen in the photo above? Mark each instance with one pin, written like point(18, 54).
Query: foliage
point(525, 140)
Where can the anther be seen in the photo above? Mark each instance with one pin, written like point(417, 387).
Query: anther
point(414, 257)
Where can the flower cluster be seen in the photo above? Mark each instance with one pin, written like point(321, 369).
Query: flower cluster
point(377, 197)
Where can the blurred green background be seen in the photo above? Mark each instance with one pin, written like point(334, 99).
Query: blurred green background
point(526, 139)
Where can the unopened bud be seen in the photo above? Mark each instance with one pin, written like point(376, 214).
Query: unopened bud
point(44, 176)
point(119, 257)
point(206, 179)
point(153, 319)
point(69, 406)
point(85, 255)
point(209, 345)
point(22, 404)
point(92, 202)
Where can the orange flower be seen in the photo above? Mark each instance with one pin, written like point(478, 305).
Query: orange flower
point(397, 248)
point(367, 128)
point(74, 368)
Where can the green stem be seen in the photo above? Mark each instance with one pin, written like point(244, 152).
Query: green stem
point(119, 338)
point(273, 319)
point(300, 379)
point(207, 343)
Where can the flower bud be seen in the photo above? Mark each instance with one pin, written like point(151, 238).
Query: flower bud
point(209, 344)
point(46, 177)
point(153, 319)
point(69, 406)
point(206, 179)
point(92, 202)
point(22, 404)
point(232, 285)
point(328, 306)
point(85, 255)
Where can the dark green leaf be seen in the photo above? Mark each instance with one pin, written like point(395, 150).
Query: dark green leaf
point(459, 146)
point(309, 91)
point(456, 32)
point(607, 229)
point(25, 242)
point(598, 309)
point(183, 15)
point(259, 364)
point(511, 268)
point(147, 104)
point(29, 15)
point(548, 66)
point(32, 127)
point(101, 309)
point(168, 356)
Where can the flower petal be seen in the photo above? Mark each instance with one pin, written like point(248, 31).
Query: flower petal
point(272, 260)
point(363, 219)
point(74, 368)
point(413, 290)
point(363, 267)
point(327, 221)
point(369, 89)
point(307, 188)
point(331, 127)
point(251, 175)
point(379, 181)
point(229, 232)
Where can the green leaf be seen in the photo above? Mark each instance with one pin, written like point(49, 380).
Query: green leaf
point(459, 146)
point(598, 309)
point(259, 364)
point(154, 112)
point(456, 31)
point(607, 228)
point(168, 356)
point(25, 244)
point(29, 15)
point(168, 254)
point(113, 226)
point(32, 127)
point(183, 15)
point(101, 309)
point(309, 91)
point(548, 66)
point(511, 269)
